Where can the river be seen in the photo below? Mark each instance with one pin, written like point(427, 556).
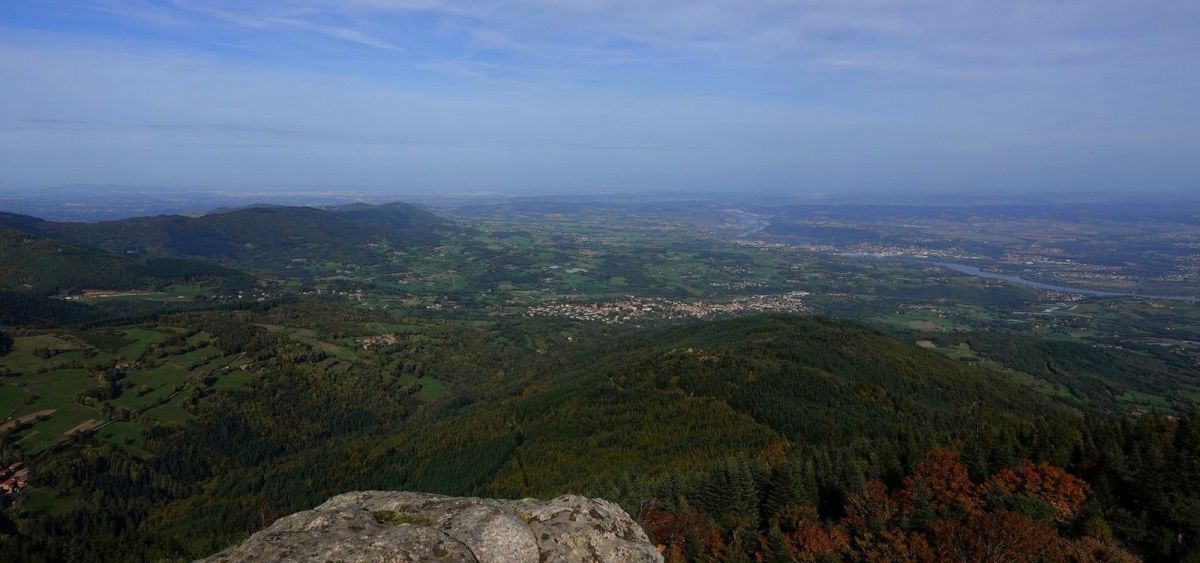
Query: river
point(975, 271)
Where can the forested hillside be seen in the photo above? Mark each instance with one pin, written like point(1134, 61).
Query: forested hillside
point(175, 383)
point(774, 437)
point(257, 235)
point(818, 281)
point(35, 272)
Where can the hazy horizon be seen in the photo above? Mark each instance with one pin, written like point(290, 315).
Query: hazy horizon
point(438, 96)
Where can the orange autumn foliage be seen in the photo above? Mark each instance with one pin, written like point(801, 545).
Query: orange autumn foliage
point(967, 527)
point(1092, 550)
point(1003, 537)
point(944, 481)
point(872, 509)
point(891, 546)
point(938, 515)
point(672, 531)
point(814, 542)
point(1061, 490)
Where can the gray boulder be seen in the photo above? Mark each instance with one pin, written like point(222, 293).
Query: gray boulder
point(401, 527)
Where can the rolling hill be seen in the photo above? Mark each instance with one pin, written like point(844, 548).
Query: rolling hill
point(680, 404)
point(34, 270)
point(745, 429)
point(251, 236)
point(45, 266)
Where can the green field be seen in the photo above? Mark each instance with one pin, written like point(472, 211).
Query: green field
point(217, 414)
point(171, 412)
point(49, 386)
point(122, 434)
point(142, 339)
point(232, 379)
point(431, 389)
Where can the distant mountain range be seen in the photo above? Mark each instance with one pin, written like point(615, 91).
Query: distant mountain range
point(40, 259)
point(249, 235)
point(43, 265)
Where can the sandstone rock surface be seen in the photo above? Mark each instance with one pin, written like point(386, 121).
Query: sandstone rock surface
point(378, 526)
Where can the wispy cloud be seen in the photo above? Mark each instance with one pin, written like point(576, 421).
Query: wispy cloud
point(139, 11)
point(598, 92)
point(925, 36)
point(288, 18)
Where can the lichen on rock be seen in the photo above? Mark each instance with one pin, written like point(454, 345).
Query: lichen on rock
point(390, 526)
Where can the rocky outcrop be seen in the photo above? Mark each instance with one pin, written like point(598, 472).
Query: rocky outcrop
point(401, 527)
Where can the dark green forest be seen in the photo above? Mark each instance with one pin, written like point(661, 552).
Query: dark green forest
point(174, 384)
point(756, 438)
point(248, 236)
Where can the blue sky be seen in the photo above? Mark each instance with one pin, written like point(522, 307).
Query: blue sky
point(495, 95)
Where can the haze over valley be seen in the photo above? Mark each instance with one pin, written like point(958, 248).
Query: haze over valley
point(599, 281)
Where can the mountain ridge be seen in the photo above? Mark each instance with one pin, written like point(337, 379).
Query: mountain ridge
point(246, 235)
